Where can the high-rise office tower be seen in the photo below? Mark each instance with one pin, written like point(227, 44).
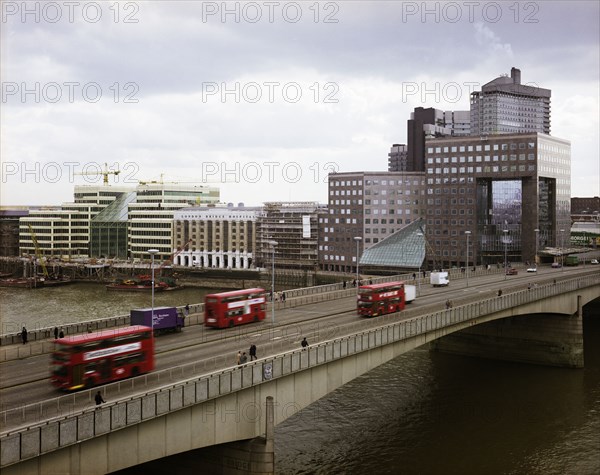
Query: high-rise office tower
point(505, 106)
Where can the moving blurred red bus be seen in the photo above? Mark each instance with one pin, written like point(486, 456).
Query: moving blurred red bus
point(84, 361)
point(237, 307)
point(380, 299)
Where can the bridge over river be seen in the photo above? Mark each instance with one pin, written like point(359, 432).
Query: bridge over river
point(186, 407)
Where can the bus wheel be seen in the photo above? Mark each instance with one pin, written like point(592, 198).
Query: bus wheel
point(135, 372)
point(89, 383)
point(230, 323)
point(255, 319)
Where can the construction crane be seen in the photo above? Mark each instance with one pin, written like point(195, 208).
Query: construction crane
point(175, 254)
point(38, 252)
point(104, 173)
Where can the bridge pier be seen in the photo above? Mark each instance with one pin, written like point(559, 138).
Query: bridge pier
point(245, 457)
point(544, 339)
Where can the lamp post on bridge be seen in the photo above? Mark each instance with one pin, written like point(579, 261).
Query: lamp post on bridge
point(505, 231)
point(357, 239)
point(152, 252)
point(562, 249)
point(537, 240)
point(420, 265)
point(468, 233)
point(273, 244)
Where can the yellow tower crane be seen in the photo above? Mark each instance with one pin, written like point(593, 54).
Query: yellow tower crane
point(104, 173)
point(38, 252)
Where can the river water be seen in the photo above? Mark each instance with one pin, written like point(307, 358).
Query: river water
point(434, 413)
point(422, 413)
point(81, 302)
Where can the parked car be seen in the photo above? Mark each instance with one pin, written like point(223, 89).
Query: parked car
point(512, 271)
point(532, 269)
point(556, 265)
point(594, 261)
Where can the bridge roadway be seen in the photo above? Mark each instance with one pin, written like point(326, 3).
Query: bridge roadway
point(27, 395)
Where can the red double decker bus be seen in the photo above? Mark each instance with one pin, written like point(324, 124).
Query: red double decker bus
point(227, 309)
point(83, 361)
point(380, 299)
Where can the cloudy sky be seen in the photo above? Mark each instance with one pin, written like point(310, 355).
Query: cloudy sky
point(268, 97)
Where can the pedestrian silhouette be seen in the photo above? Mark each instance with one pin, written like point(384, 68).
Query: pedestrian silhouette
point(24, 335)
point(98, 399)
point(304, 343)
point(252, 352)
point(239, 358)
point(55, 333)
point(244, 358)
point(61, 334)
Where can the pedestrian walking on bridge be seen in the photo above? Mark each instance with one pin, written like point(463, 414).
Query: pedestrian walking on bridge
point(98, 399)
point(304, 344)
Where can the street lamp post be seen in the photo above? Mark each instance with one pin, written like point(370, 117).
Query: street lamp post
point(537, 240)
point(420, 264)
point(505, 231)
point(273, 245)
point(468, 233)
point(562, 249)
point(152, 252)
point(357, 239)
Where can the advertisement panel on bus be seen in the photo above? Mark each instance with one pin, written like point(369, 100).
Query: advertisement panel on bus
point(227, 309)
point(84, 361)
point(381, 299)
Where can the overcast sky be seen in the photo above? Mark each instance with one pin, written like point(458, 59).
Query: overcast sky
point(269, 96)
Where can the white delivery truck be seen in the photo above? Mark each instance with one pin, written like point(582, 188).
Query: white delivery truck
point(410, 293)
point(439, 279)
